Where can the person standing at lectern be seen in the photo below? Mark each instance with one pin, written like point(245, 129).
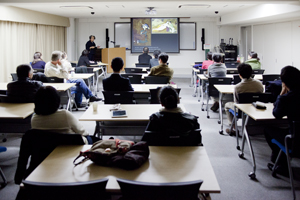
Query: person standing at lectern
point(91, 47)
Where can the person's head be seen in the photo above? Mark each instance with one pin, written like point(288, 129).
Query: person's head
point(85, 53)
point(117, 64)
point(209, 55)
point(163, 58)
point(253, 54)
point(64, 55)
point(156, 53)
point(24, 71)
point(145, 50)
point(289, 76)
point(47, 101)
point(244, 70)
point(37, 55)
point(92, 38)
point(56, 57)
point(217, 57)
point(168, 97)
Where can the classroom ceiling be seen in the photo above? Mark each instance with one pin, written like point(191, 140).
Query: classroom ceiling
point(136, 8)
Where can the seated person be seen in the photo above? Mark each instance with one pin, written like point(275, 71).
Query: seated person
point(207, 62)
point(24, 89)
point(154, 60)
point(217, 69)
point(84, 59)
point(116, 82)
point(55, 68)
point(253, 60)
point(247, 85)
point(287, 104)
point(47, 116)
point(145, 58)
point(162, 69)
point(38, 62)
point(171, 117)
point(64, 61)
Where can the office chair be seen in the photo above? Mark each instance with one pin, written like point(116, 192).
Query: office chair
point(270, 77)
point(3, 149)
point(212, 91)
point(236, 79)
point(38, 70)
point(172, 138)
point(156, 79)
point(154, 99)
point(232, 71)
point(134, 78)
point(54, 80)
point(145, 65)
point(231, 65)
point(113, 97)
point(73, 64)
point(88, 190)
point(134, 190)
point(134, 70)
point(258, 71)
point(14, 76)
point(291, 148)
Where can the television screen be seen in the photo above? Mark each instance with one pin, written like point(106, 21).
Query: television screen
point(155, 33)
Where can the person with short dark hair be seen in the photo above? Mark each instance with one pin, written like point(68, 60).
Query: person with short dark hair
point(116, 82)
point(38, 62)
point(47, 116)
point(154, 60)
point(162, 69)
point(208, 62)
point(253, 60)
point(24, 89)
point(171, 117)
point(287, 104)
point(91, 47)
point(84, 60)
point(144, 57)
point(247, 85)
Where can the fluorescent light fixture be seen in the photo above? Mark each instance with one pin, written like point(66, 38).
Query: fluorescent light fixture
point(194, 5)
point(76, 7)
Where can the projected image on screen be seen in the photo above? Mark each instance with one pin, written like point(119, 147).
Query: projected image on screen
point(141, 32)
point(163, 25)
point(156, 34)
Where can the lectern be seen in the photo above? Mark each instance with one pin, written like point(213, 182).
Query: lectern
point(109, 53)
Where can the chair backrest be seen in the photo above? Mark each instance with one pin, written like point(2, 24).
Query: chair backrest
point(134, 70)
point(134, 190)
point(252, 97)
point(134, 78)
point(270, 77)
point(212, 91)
point(113, 97)
point(90, 70)
point(4, 98)
point(236, 79)
point(171, 138)
point(88, 190)
point(156, 79)
point(81, 69)
point(73, 64)
point(14, 76)
point(258, 71)
point(154, 95)
point(232, 71)
point(142, 65)
point(54, 80)
point(232, 65)
point(197, 63)
point(201, 71)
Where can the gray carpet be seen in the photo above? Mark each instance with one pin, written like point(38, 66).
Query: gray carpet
point(231, 171)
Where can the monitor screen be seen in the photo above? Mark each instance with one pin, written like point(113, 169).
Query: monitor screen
point(156, 34)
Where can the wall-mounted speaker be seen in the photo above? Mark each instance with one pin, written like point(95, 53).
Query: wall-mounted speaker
point(203, 38)
point(107, 38)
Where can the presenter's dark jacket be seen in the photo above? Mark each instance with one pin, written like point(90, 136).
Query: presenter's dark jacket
point(90, 44)
point(116, 83)
point(288, 105)
point(84, 61)
point(144, 58)
point(23, 91)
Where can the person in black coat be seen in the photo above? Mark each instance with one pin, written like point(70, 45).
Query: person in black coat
point(91, 47)
point(287, 104)
point(24, 89)
point(116, 82)
point(84, 60)
point(145, 58)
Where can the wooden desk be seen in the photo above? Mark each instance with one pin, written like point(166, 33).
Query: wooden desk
point(165, 165)
point(137, 117)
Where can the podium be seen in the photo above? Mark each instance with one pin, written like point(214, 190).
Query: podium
point(110, 53)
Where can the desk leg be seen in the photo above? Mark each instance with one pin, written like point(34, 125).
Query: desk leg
point(96, 83)
point(195, 84)
point(97, 132)
point(69, 100)
point(220, 113)
point(192, 78)
point(202, 95)
point(241, 155)
point(236, 129)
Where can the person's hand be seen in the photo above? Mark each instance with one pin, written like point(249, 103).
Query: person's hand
point(284, 89)
point(92, 47)
point(58, 62)
point(98, 46)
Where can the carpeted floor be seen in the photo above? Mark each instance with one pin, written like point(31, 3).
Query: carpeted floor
point(231, 171)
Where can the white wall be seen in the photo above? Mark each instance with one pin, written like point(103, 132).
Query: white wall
point(180, 62)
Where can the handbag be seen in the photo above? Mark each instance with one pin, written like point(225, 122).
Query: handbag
point(116, 153)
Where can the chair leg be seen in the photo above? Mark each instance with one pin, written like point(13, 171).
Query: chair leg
point(4, 178)
point(276, 163)
point(290, 169)
point(207, 110)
